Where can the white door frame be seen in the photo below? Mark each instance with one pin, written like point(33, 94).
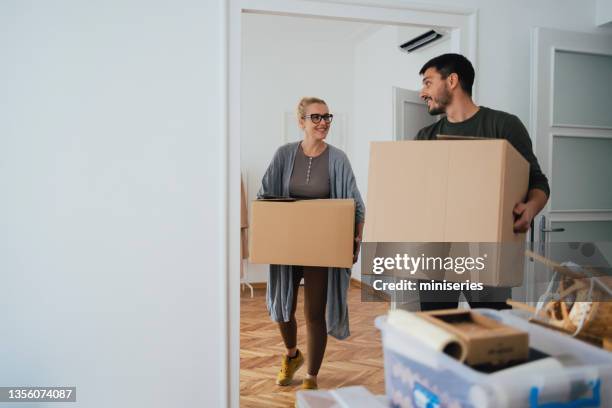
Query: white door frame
point(400, 97)
point(463, 23)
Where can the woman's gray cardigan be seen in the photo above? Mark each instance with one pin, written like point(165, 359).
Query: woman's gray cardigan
point(279, 294)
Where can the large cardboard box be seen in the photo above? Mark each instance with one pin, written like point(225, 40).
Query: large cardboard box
point(450, 191)
point(307, 232)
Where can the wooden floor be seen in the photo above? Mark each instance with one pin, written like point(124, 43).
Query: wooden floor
point(354, 361)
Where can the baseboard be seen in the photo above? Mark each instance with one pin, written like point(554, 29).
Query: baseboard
point(258, 285)
point(262, 285)
point(355, 283)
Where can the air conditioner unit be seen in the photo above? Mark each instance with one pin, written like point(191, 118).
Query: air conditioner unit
point(421, 41)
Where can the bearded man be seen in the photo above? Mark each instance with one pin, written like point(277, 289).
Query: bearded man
point(447, 89)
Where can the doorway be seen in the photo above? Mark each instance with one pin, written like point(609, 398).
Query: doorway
point(357, 23)
point(410, 114)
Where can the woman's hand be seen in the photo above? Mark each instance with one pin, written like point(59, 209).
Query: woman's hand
point(356, 248)
point(357, 242)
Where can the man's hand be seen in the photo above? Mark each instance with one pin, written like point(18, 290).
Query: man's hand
point(523, 214)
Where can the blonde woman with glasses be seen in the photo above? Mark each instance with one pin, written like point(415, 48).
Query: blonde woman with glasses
point(311, 169)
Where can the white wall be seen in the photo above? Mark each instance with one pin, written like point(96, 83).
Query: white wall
point(380, 66)
point(603, 12)
point(284, 59)
point(110, 209)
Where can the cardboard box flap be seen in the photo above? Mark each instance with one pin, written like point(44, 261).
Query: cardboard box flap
point(452, 137)
point(487, 341)
point(271, 197)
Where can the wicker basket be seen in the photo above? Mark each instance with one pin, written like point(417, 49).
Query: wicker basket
point(578, 311)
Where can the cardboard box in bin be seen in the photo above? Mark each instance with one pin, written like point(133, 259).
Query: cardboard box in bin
point(487, 341)
point(455, 191)
point(306, 232)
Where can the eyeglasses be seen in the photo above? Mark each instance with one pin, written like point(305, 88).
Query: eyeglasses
point(316, 118)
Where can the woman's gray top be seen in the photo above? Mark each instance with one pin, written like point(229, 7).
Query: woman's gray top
point(310, 176)
point(342, 184)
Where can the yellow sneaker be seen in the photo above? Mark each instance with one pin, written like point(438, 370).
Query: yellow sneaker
point(309, 383)
point(288, 368)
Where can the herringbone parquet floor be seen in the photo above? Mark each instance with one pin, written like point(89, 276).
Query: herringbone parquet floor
point(354, 361)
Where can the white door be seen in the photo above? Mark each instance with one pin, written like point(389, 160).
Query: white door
point(409, 114)
point(572, 125)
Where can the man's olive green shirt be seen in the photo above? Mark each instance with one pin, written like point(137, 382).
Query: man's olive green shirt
point(496, 125)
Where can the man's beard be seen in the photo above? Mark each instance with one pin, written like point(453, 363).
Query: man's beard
point(442, 102)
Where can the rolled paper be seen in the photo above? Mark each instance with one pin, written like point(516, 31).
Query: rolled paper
point(427, 333)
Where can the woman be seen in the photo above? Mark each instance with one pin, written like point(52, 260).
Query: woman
point(309, 169)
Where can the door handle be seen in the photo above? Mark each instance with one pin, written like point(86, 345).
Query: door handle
point(543, 231)
point(552, 229)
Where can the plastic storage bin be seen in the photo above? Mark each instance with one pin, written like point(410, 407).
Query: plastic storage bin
point(353, 397)
point(420, 377)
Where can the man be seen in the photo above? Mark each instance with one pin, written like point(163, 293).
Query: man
point(447, 89)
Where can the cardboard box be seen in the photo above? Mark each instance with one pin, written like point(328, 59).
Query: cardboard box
point(450, 191)
point(307, 232)
point(487, 341)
